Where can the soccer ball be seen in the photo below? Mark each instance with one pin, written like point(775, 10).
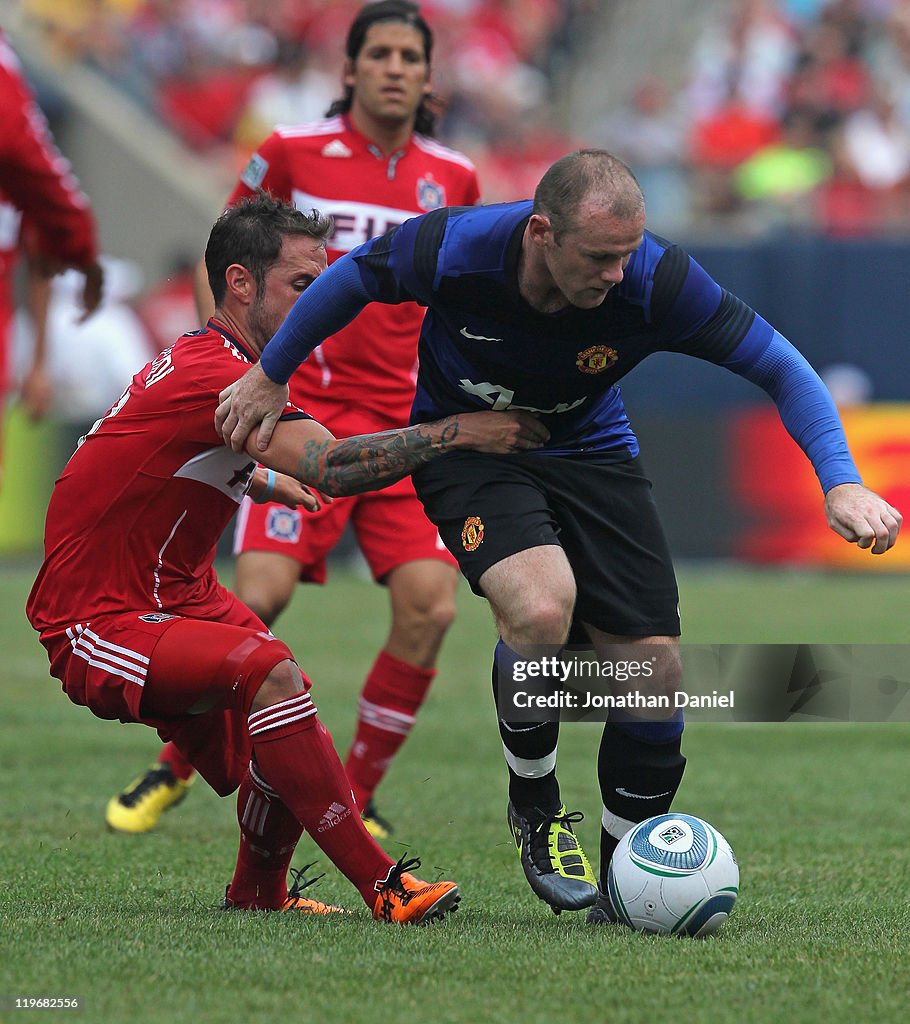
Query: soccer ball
point(673, 874)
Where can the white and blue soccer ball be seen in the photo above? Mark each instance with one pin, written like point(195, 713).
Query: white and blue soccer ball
point(673, 874)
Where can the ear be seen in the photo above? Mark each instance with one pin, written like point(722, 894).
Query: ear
point(347, 73)
point(240, 284)
point(540, 232)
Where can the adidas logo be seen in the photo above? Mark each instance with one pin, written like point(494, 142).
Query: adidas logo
point(333, 816)
point(336, 148)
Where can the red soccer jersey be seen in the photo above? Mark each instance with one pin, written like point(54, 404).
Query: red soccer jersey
point(35, 176)
point(330, 166)
point(137, 512)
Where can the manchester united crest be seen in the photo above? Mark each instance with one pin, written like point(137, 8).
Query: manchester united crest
point(596, 359)
point(472, 533)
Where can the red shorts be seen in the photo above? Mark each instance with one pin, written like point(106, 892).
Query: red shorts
point(390, 525)
point(104, 664)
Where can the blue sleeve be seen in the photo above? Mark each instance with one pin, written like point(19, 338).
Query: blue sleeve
point(805, 406)
point(328, 304)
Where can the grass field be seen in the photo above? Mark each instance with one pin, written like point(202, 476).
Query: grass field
point(817, 813)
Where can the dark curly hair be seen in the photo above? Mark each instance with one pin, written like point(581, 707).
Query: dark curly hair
point(252, 234)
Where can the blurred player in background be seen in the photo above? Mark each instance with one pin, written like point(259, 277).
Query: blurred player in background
point(128, 605)
point(370, 165)
point(544, 306)
point(39, 191)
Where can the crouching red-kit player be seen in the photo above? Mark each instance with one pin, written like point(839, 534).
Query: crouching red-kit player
point(129, 608)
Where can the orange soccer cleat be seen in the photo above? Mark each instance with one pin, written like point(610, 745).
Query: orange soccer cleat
point(404, 899)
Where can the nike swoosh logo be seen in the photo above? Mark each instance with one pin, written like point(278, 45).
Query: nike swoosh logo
point(476, 337)
point(640, 796)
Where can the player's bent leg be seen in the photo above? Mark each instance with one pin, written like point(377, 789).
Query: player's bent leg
point(532, 594)
point(422, 597)
point(265, 582)
point(295, 757)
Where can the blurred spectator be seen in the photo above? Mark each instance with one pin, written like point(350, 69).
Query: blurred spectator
point(91, 361)
point(649, 133)
point(167, 308)
point(778, 177)
point(296, 90)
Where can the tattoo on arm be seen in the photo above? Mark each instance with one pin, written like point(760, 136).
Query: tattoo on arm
point(371, 461)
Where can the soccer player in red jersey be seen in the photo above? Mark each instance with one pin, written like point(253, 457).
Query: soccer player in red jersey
point(130, 611)
point(371, 165)
point(39, 181)
point(37, 185)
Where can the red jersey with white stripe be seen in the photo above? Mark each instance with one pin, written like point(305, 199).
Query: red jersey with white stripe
point(137, 512)
point(35, 176)
point(330, 166)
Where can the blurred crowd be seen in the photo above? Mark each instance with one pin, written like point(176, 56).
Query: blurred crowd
point(222, 73)
point(794, 113)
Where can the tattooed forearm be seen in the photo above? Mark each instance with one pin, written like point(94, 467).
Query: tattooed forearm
point(371, 461)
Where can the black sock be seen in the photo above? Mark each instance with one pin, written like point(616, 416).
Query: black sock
point(532, 742)
point(638, 778)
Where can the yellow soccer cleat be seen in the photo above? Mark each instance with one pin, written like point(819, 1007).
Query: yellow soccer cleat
point(374, 823)
point(138, 808)
point(404, 899)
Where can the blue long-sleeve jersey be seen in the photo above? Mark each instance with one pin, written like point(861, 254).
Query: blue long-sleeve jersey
point(482, 346)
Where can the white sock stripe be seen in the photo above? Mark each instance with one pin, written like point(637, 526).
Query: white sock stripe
point(282, 722)
point(259, 718)
point(386, 719)
point(261, 783)
point(616, 826)
point(528, 769)
point(255, 813)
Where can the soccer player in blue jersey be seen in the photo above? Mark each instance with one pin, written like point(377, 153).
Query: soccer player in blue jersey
point(544, 306)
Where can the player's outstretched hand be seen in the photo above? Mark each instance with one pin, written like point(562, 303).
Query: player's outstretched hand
point(862, 517)
point(252, 400)
point(500, 433)
point(294, 494)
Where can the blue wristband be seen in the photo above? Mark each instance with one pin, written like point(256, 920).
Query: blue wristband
point(266, 495)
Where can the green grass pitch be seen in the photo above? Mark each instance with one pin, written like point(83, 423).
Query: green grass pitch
point(818, 815)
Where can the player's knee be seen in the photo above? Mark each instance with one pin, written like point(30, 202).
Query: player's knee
point(265, 602)
point(426, 615)
point(668, 671)
point(544, 618)
point(282, 682)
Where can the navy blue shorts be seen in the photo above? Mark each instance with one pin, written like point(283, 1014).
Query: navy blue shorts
point(598, 510)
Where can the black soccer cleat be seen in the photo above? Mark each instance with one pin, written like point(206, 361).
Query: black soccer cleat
point(552, 858)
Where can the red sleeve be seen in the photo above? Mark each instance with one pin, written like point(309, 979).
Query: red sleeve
point(267, 171)
point(35, 175)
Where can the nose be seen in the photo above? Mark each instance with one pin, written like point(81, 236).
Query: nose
point(613, 273)
point(395, 65)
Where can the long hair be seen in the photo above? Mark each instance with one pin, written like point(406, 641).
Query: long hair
point(407, 13)
point(252, 234)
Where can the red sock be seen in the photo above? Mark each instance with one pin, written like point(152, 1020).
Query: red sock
point(180, 767)
point(295, 756)
point(268, 836)
point(391, 697)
